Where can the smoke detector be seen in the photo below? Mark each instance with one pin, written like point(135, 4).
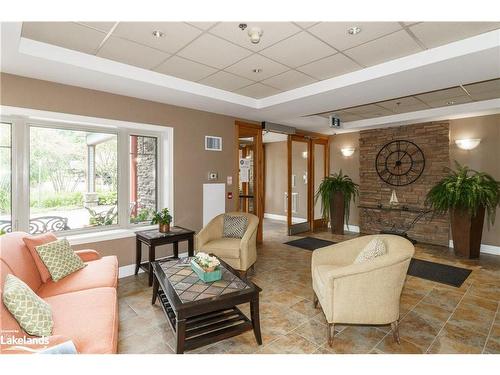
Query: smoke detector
point(255, 33)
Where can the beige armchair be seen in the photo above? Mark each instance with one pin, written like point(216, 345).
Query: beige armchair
point(363, 293)
point(240, 254)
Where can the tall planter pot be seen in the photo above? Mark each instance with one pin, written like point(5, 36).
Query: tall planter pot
point(337, 213)
point(466, 231)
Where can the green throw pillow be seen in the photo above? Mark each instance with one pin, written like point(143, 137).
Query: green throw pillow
point(59, 258)
point(31, 312)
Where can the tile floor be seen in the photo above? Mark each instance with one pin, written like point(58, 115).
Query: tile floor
point(435, 318)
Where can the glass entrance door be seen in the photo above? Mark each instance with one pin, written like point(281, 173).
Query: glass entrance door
point(298, 185)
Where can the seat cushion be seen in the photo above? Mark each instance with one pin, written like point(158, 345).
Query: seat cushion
point(223, 247)
point(98, 273)
point(89, 318)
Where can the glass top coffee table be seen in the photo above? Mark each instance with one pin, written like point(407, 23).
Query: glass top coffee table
point(202, 313)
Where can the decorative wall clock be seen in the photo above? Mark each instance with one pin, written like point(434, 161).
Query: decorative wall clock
point(400, 163)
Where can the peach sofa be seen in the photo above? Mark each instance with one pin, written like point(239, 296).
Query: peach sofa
point(84, 304)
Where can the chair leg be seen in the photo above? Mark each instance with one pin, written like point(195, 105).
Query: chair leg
point(331, 333)
point(395, 331)
point(315, 300)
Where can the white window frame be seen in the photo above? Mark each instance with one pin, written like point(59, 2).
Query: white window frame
point(22, 118)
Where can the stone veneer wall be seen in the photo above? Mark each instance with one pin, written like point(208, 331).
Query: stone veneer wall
point(146, 173)
point(433, 139)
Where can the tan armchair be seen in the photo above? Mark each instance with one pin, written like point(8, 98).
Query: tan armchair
point(240, 254)
point(363, 293)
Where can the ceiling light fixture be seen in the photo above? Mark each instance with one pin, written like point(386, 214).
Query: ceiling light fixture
point(257, 70)
point(468, 144)
point(158, 34)
point(354, 30)
point(451, 102)
point(255, 33)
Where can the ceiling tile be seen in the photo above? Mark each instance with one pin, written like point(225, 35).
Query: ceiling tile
point(335, 33)
point(244, 67)
point(64, 34)
point(202, 25)
point(298, 50)
point(387, 48)
point(225, 81)
point(306, 25)
point(369, 111)
point(446, 94)
point(484, 90)
point(483, 87)
point(346, 116)
point(101, 26)
point(257, 91)
point(131, 53)
point(177, 34)
point(433, 34)
point(272, 32)
point(181, 68)
point(214, 51)
point(330, 66)
point(402, 105)
point(289, 80)
point(450, 101)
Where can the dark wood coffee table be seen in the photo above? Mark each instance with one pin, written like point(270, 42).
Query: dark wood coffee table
point(202, 313)
point(153, 238)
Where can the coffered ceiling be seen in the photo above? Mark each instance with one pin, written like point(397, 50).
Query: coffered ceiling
point(289, 54)
point(452, 96)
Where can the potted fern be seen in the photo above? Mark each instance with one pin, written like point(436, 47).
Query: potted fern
point(336, 193)
point(163, 219)
point(467, 195)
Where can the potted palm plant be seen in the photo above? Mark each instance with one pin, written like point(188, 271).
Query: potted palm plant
point(336, 193)
point(163, 218)
point(467, 195)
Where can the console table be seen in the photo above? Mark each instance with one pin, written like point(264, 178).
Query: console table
point(153, 238)
point(373, 214)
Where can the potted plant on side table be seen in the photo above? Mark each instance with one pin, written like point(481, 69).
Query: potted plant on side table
point(336, 192)
point(163, 219)
point(466, 194)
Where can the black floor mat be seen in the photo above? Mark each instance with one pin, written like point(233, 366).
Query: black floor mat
point(309, 243)
point(441, 273)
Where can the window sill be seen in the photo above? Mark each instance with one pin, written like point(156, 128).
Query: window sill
point(106, 235)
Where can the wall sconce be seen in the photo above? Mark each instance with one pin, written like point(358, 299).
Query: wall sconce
point(347, 151)
point(467, 144)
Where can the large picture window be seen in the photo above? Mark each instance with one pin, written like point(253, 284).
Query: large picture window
point(5, 177)
point(72, 178)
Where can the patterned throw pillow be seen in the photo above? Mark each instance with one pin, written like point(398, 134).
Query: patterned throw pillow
point(59, 258)
point(235, 226)
point(373, 249)
point(31, 312)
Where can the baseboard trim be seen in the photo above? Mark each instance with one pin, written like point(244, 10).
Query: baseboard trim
point(485, 249)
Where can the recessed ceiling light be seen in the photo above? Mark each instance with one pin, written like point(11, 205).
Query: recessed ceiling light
point(257, 70)
point(451, 102)
point(354, 30)
point(158, 34)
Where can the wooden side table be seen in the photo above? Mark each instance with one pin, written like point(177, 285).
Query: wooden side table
point(153, 238)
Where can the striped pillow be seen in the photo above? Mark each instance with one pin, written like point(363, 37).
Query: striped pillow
point(235, 226)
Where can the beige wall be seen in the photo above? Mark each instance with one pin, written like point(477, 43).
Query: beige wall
point(276, 177)
point(348, 164)
point(486, 157)
point(191, 162)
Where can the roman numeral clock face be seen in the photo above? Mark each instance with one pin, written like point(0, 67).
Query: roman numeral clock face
point(400, 163)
